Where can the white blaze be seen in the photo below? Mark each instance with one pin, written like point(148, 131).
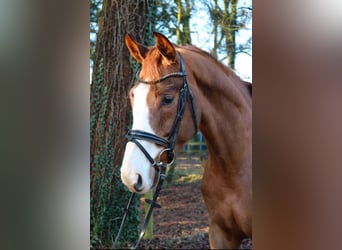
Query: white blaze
point(134, 161)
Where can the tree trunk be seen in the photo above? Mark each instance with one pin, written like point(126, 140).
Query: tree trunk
point(110, 117)
point(216, 16)
point(229, 29)
point(183, 21)
point(231, 46)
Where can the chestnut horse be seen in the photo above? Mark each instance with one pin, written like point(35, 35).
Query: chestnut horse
point(219, 104)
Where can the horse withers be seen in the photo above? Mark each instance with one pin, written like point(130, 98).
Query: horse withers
point(180, 89)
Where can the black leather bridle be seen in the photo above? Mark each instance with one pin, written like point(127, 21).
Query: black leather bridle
point(169, 143)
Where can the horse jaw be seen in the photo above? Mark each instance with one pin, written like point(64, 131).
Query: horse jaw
point(135, 162)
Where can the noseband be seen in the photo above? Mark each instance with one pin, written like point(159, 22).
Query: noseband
point(169, 143)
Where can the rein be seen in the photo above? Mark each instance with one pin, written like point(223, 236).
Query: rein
point(168, 144)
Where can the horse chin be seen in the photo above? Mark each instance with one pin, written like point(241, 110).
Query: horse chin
point(145, 190)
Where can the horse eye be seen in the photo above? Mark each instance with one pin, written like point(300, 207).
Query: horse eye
point(166, 100)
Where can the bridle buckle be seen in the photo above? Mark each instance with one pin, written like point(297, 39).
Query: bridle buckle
point(170, 156)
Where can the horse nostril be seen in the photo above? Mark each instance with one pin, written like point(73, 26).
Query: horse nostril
point(139, 185)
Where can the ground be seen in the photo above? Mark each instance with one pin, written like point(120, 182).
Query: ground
point(182, 222)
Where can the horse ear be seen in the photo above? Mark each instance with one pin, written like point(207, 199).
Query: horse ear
point(137, 50)
point(164, 46)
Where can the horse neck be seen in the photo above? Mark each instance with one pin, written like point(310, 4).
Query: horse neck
point(225, 115)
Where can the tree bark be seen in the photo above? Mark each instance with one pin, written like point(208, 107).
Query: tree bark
point(110, 109)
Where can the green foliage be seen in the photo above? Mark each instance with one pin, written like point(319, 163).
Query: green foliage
point(187, 170)
point(151, 17)
point(166, 13)
point(95, 8)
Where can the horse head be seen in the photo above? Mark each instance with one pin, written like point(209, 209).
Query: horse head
point(164, 115)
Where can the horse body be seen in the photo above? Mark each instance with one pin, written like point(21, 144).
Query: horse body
point(224, 105)
point(224, 116)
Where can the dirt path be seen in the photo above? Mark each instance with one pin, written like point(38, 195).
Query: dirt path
point(182, 222)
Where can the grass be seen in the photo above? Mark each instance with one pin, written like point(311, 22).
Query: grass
point(188, 169)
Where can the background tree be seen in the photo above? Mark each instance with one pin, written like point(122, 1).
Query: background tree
point(227, 20)
point(229, 28)
point(110, 118)
point(95, 8)
point(184, 10)
point(215, 15)
point(174, 19)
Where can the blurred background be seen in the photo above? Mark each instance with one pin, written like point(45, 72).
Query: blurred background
point(45, 123)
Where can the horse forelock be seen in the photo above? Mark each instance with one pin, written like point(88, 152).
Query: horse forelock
point(155, 65)
point(151, 66)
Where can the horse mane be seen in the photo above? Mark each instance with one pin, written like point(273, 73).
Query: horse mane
point(224, 68)
point(206, 54)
